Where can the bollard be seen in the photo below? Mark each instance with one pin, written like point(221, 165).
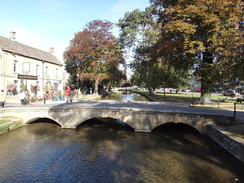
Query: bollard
point(219, 103)
point(235, 110)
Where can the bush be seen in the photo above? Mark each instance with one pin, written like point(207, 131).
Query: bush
point(33, 99)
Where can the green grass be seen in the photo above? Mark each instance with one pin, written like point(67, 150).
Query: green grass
point(82, 99)
point(173, 97)
point(7, 119)
point(2, 121)
point(241, 135)
point(224, 99)
point(17, 124)
point(11, 126)
point(222, 106)
point(188, 96)
point(177, 97)
point(225, 102)
point(3, 128)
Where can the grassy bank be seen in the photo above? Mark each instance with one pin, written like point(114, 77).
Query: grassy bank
point(241, 135)
point(221, 102)
point(9, 123)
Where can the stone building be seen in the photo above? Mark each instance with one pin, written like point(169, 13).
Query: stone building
point(24, 67)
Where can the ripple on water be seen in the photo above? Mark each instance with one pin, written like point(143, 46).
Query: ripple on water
point(47, 153)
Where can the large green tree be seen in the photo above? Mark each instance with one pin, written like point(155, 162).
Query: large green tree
point(138, 35)
point(204, 35)
point(94, 54)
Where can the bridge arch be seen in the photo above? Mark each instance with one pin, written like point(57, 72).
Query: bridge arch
point(176, 127)
point(196, 123)
point(108, 121)
point(42, 120)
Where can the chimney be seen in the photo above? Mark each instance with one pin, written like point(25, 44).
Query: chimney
point(13, 35)
point(51, 49)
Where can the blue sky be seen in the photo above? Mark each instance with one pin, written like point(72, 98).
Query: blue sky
point(52, 23)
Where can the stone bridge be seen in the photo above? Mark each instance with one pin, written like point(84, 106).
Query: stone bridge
point(140, 119)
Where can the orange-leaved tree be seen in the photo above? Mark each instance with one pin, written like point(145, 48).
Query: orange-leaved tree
point(94, 54)
point(206, 35)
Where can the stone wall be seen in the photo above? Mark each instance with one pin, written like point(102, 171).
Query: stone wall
point(234, 145)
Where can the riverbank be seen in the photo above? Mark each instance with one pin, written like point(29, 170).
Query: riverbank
point(230, 138)
point(9, 123)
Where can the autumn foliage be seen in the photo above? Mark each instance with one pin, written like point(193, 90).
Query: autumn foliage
point(205, 35)
point(171, 41)
point(94, 53)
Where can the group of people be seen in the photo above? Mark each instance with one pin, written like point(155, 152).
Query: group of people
point(23, 99)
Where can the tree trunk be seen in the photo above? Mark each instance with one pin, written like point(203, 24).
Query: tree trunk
point(149, 80)
point(96, 86)
point(206, 79)
point(151, 91)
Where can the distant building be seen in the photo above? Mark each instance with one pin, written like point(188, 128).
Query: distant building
point(24, 67)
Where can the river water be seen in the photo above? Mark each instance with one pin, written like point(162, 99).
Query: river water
point(106, 150)
point(125, 95)
point(110, 152)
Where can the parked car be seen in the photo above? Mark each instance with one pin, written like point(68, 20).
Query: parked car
point(198, 90)
point(231, 93)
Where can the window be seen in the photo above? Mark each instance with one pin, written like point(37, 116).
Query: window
point(37, 70)
point(56, 73)
point(46, 72)
point(16, 84)
point(15, 66)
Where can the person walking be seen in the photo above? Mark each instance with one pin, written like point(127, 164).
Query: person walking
point(68, 94)
point(22, 97)
point(71, 95)
point(2, 99)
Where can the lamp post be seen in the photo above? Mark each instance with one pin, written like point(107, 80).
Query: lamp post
point(77, 84)
point(26, 70)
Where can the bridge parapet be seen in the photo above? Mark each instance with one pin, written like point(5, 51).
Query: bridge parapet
point(140, 120)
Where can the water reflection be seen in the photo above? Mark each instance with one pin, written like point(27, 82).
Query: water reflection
point(125, 95)
point(97, 152)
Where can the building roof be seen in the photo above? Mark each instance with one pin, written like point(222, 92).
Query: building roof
point(17, 48)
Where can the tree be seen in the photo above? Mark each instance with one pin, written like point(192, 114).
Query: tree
point(95, 54)
point(204, 35)
point(139, 33)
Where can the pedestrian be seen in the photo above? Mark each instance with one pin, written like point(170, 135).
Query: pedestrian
point(72, 93)
point(22, 97)
point(27, 96)
point(68, 94)
point(2, 99)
